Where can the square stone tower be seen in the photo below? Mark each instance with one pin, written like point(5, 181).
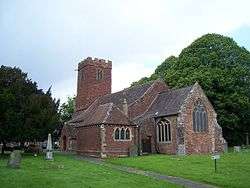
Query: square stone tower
point(94, 80)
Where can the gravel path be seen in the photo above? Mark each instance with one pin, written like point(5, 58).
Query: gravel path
point(176, 180)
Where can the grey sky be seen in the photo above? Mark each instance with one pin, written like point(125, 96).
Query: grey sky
point(48, 38)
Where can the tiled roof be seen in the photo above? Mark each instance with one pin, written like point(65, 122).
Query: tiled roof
point(130, 94)
point(102, 114)
point(167, 103)
point(107, 109)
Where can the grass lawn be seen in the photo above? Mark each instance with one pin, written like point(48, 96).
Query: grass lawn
point(233, 168)
point(66, 171)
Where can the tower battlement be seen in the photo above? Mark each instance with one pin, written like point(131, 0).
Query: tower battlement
point(95, 62)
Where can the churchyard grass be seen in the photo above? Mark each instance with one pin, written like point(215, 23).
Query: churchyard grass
point(67, 172)
point(233, 169)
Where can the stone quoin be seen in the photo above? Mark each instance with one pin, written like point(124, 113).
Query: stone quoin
point(148, 118)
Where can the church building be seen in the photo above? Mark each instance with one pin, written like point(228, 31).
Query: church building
point(148, 118)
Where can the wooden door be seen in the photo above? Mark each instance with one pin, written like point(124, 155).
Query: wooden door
point(146, 145)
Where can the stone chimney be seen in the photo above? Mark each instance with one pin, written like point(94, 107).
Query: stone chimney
point(125, 107)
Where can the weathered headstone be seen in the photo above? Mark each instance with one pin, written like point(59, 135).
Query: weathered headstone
point(133, 151)
point(15, 159)
point(236, 148)
point(181, 149)
point(225, 147)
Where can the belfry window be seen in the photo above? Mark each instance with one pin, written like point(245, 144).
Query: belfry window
point(99, 75)
point(163, 131)
point(199, 118)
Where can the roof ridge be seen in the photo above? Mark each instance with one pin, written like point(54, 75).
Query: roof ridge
point(153, 83)
point(147, 108)
point(175, 89)
point(130, 88)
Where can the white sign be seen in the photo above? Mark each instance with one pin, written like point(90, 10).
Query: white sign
point(215, 157)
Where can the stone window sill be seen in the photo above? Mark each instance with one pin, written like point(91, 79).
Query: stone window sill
point(168, 142)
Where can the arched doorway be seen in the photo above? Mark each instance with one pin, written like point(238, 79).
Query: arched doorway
point(64, 143)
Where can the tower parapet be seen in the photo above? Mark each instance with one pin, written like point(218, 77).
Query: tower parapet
point(95, 62)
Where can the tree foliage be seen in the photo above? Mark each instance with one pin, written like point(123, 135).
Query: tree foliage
point(26, 112)
point(67, 109)
point(222, 68)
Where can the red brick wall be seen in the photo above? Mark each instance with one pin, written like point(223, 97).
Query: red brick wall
point(119, 148)
point(88, 87)
point(88, 141)
point(141, 105)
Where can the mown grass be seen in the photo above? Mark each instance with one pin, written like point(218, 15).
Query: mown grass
point(67, 172)
point(233, 168)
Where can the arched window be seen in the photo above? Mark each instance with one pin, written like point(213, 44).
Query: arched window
point(163, 131)
point(122, 134)
point(127, 134)
point(117, 134)
point(199, 117)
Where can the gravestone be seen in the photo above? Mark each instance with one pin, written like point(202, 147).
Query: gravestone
point(181, 149)
point(225, 147)
point(133, 151)
point(15, 159)
point(236, 148)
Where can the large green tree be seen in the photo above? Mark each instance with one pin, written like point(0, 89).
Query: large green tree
point(26, 112)
point(67, 109)
point(222, 68)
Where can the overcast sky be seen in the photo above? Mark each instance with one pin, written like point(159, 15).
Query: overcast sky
point(48, 38)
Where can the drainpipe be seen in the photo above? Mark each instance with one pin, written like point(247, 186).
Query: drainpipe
point(139, 140)
point(156, 147)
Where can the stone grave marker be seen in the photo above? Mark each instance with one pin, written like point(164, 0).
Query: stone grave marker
point(236, 148)
point(15, 159)
point(133, 151)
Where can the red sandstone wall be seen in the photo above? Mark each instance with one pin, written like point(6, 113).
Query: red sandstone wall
point(141, 105)
point(88, 141)
point(119, 148)
point(148, 130)
point(64, 133)
point(70, 142)
point(202, 142)
point(169, 148)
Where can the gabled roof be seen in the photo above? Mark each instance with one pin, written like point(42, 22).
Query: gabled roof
point(167, 103)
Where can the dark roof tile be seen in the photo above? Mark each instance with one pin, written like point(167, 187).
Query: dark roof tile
point(167, 103)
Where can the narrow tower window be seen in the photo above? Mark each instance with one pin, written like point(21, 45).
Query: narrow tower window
point(99, 75)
